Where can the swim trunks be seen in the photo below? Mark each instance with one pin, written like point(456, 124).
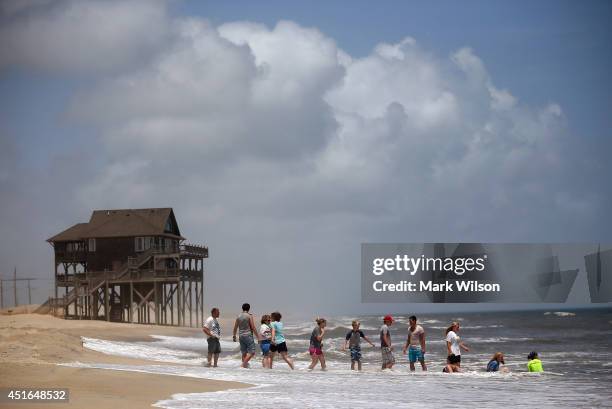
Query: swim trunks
point(355, 353)
point(214, 346)
point(247, 344)
point(415, 354)
point(282, 347)
point(265, 347)
point(315, 351)
point(387, 356)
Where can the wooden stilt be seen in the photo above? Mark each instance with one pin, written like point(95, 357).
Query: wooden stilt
point(131, 310)
point(106, 302)
point(172, 305)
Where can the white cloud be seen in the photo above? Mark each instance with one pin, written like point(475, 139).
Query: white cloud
point(210, 93)
point(294, 62)
point(399, 73)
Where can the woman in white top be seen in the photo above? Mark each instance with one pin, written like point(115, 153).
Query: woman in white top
point(454, 345)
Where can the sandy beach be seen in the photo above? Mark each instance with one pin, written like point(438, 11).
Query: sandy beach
point(31, 345)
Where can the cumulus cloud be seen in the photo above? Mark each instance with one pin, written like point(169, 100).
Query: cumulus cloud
point(400, 73)
point(283, 152)
point(213, 91)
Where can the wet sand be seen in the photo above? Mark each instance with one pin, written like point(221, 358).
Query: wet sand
point(32, 345)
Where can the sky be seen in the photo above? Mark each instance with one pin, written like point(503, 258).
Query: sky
point(286, 134)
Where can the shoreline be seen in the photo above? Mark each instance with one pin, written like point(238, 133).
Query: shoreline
point(32, 346)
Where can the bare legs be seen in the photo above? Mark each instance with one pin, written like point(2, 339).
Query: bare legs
point(287, 359)
point(266, 362)
point(423, 366)
point(315, 359)
point(210, 360)
point(246, 357)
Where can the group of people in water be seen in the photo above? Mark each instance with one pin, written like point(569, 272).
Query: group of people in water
point(271, 341)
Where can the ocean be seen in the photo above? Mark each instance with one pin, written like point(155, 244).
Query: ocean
point(575, 348)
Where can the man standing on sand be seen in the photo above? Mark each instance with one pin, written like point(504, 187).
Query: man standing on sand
point(213, 330)
point(246, 325)
point(415, 344)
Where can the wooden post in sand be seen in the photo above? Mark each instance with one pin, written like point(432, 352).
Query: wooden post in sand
point(106, 302)
point(15, 286)
point(179, 303)
point(172, 305)
point(156, 302)
point(197, 297)
point(131, 311)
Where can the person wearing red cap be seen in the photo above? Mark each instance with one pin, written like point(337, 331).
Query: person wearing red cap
point(386, 348)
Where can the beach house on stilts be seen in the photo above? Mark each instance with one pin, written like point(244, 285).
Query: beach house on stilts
point(129, 265)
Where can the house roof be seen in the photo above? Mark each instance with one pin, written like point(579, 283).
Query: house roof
point(71, 233)
point(123, 223)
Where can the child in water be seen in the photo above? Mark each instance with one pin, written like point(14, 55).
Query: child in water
point(278, 340)
point(353, 341)
point(266, 341)
point(496, 362)
point(386, 348)
point(534, 364)
point(316, 344)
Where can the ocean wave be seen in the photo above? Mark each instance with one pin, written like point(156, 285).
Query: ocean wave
point(341, 388)
point(466, 326)
point(498, 339)
point(560, 313)
point(193, 343)
point(142, 350)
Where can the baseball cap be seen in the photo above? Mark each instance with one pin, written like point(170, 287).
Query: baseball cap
point(388, 318)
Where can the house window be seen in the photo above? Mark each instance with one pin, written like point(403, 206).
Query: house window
point(143, 243)
point(74, 247)
point(92, 245)
point(139, 244)
point(169, 245)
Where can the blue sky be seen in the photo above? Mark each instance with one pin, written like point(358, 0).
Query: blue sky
point(306, 125)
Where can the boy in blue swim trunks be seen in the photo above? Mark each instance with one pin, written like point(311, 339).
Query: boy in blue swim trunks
point(353, 341)
point(415, 344)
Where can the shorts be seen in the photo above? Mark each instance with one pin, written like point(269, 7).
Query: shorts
point(387, 356)
point(282, 347)
point(355, 353)
point(415, 354)
point(265, 347)
point(214, 346)
point(454, 359)
point(315, 351)
point(247, 344)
